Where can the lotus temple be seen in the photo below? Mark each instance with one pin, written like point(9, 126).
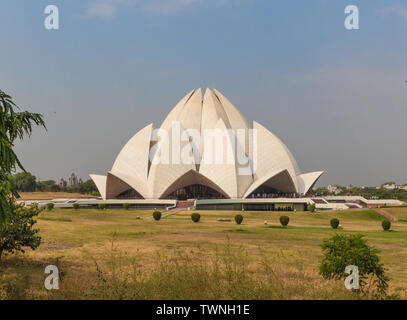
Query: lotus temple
point(267, 174)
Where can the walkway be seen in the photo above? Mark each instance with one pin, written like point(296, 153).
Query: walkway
point(181, 206)
point(385, 214)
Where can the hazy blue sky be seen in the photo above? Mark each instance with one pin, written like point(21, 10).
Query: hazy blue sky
point(337, 98)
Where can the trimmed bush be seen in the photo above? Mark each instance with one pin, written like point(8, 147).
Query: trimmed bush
point(157, 215)
point(386, 224)
point(334, 223)
point(238, 218)
point(75, 206)
point(50, 206)
point(284, 220)
point(195, 217)
point(126, 206)
point(101, 206)
point(311, 207)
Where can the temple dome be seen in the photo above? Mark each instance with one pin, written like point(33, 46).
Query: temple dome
point(139, 171)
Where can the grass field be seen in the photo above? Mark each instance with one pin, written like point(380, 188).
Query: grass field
point(399, 213)
point(125, 255)
point(51, 195)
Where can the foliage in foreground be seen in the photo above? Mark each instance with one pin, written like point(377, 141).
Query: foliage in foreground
point(228, 274)
point(17, 232)
point(343, 250)
point(13, 125)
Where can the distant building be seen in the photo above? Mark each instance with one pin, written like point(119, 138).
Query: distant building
point(73, 181)
point(333, 189)
point(62, 183)
point(389, 186)
point(404, 187)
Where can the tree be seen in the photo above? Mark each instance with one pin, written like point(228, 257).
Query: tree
point(46, 185)
point(18, 233)
point(311, 207)
point(24, 182)
point(88, 187)
point(343, 250)
point(13, 125)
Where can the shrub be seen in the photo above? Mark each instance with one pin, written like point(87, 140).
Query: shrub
point(75, 206)
point(126, 206)
point(17, 233)
point(343, 250)
point(195, 217)
point(238, 218)
point(386, 224)
point(157, 215)
point(101, 206)
point(50, 206)
point(284, 220)
point(311, 207)
point(334, 223)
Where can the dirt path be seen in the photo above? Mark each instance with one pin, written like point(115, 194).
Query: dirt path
point(385, 214)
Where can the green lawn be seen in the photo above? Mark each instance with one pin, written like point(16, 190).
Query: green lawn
point(398, 212)
point(77, 240)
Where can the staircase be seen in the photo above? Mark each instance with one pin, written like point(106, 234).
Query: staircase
point(319, 200)
point(185, 204)
point(181, 206)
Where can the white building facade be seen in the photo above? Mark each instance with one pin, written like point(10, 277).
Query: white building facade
point(204, 149)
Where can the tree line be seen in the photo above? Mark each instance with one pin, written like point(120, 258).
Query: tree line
point(367, 192)
point(27, 182)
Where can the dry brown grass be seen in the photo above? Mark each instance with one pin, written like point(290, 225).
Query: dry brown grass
point(51, 195)
point(75, 240)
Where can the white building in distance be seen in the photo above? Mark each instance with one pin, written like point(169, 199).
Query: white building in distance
point(177, 161)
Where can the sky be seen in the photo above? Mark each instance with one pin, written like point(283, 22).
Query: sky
point(336, 97)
